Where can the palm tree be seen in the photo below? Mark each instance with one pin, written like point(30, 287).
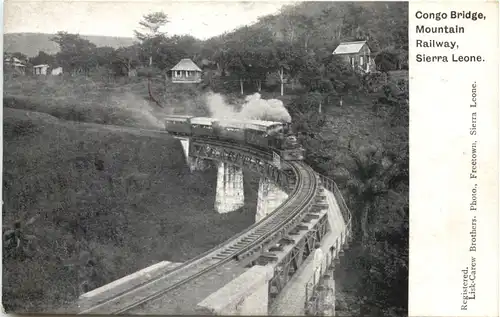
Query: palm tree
point(371, 175)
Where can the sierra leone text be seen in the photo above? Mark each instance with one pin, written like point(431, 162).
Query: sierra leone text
point(452, 44)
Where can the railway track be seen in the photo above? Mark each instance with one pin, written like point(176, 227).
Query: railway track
point(247, 243)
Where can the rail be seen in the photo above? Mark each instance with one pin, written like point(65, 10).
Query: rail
point(246, 243)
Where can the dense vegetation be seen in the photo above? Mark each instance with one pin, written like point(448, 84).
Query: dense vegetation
point(84, 206)
point(354, 127)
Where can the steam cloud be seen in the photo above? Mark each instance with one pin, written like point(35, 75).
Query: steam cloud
point(254, 108)
point(137, 109)
point(140, 113)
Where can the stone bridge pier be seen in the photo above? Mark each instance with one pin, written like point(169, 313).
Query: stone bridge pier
point(269, 198)
point(230, 194)
point(194, 163)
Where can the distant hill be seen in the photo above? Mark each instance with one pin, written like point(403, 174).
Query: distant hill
point(30, 43)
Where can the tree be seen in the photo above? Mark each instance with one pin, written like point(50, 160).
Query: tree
point(76, 54)
point(42, 58)
point(151, 37)
point(285, 59)
point(104, 56)
point(125, 59)
point(344, 80)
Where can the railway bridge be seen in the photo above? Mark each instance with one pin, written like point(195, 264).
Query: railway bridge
point(281, 265)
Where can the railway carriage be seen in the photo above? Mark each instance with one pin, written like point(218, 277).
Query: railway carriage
point(262, 133)
point(202, 127)
point(231, 130)
point(178, 125)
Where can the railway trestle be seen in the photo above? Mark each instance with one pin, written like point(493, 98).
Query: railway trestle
point(257, 270)
point(282, 177)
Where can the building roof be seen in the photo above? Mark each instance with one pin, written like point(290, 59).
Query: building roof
point(14, 60)
point(349, 47)
point(41, 65)
point(186, 64)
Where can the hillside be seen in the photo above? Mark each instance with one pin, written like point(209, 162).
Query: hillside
point(31, 43)
point(320, 25)
point(83, 212)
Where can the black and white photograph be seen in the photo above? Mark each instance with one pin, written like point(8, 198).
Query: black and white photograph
point(206, 158)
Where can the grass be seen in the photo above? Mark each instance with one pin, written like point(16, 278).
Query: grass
point(123, 102)
point(52, 172)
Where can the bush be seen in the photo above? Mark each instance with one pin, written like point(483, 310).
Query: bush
point(374, 82)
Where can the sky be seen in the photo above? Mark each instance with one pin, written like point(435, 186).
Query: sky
point(202, 19)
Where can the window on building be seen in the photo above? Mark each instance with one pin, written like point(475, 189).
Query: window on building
point(361, 60)
point(352, 61)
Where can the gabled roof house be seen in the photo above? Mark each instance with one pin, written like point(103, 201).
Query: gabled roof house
point(186, 71)
point(357, 54)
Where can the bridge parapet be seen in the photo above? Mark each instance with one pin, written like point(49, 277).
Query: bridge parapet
point(123, 284)
point(320, 289)
point(246, 295)
point(331, 186)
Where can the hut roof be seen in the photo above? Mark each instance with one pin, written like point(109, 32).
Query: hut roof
point(349, 47)
point(186, 64)
point(14, 61)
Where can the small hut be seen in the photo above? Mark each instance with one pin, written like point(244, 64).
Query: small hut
point(15, 64)
point(186, 71)
point(57, 71)
point(357, 54)
point(40, 69)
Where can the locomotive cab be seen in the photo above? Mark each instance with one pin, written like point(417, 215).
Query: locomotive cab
point(291, 150)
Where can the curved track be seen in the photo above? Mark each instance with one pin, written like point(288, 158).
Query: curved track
point(250, 241)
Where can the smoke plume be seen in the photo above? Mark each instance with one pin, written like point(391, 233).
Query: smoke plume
point(254, 108)
point(138, 110)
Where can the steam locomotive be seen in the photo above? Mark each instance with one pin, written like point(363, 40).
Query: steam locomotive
point(261, 134)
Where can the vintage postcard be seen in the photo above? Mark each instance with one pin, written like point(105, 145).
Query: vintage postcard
point(294, 158)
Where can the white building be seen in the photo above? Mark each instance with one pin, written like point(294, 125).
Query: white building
point(57, 71)
point(40, 69)
point(186, 71)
